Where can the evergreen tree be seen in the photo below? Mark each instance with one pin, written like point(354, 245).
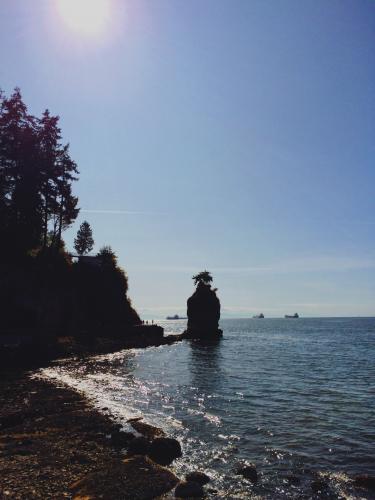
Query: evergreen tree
point(20, 175)
point(107, 256)
point(58, 171)
point(36, 177)
point(84, 242)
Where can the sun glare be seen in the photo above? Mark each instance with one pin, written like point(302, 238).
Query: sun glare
point(89, 17)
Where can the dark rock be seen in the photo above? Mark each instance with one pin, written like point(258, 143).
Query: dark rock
point(136, 477)
point(121, 439)
point(150, 334)
point(203, 311)
point(147, 430)
point(189, 489)
point(319, 485)
point(164, 450)
point(365, 481)
point(293, 479)
point(198, 477)
point(139, 446)
point(248, 472)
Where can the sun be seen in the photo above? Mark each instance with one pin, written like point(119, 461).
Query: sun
point(88, 17)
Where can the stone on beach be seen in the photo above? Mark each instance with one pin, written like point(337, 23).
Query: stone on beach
point(319, 485)
point(134, 478)
point(248, 471)
point(121, 439)
point(189, 489)
point(198, 477)
point(164, 450)
point(147, 430)
point(139, 446)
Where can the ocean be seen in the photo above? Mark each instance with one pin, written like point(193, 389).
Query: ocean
point(296, 397)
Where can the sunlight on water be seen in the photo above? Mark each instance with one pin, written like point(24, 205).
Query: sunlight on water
point(295, 397)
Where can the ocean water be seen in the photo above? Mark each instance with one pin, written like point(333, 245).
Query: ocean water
point(296, 397)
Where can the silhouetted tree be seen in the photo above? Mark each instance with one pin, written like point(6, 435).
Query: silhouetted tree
point(202, 277)
point(20, 175)
point(84, 242)
point(107, 256)
point(58, 173)
point(36, 176)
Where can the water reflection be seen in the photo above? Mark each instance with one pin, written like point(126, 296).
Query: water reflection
point(205, 365)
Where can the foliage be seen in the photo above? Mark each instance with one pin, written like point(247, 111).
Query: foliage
point(102, 295)
point(202, 277)
point(42, 291)
point(107, 256)
point(36, 176)
point(84, 241)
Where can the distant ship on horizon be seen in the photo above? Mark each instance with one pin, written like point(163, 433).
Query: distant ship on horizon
point(176, 316)
point(295, 315)
point(258, 316)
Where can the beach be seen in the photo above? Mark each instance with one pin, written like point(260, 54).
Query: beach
point(51, 439)
point(307, 437)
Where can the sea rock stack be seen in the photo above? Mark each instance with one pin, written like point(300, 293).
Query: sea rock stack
point(203, 310)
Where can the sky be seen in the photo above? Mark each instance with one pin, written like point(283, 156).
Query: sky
point(236, 137)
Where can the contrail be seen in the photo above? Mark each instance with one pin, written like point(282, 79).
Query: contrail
point(118, 212)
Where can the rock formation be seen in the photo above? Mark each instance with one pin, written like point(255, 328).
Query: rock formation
point(203, 310)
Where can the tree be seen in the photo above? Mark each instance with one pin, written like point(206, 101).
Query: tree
point(84, 242)
point(202, 277)
point(36, 176)
point(107, 256)
point(58, 173)
point(21, 202)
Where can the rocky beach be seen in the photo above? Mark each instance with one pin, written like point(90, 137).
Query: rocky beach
point(53, 444)
point(114, 425)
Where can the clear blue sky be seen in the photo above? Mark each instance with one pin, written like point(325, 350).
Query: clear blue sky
point(233, 136)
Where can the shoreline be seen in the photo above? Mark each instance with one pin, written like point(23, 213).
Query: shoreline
point(15, 360)
point(52, 441)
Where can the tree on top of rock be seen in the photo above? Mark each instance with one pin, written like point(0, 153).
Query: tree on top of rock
point(202, 277)
point(84, 241)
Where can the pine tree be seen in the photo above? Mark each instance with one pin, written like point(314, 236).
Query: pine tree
point(84, 242)
point(58, 173)
point(36, 177)
point(20, 175)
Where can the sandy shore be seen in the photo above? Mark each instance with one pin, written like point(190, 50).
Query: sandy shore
point(52, 443)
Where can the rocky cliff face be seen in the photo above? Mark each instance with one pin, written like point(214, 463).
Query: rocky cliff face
point(203, 311)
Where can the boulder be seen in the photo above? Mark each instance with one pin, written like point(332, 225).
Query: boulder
point(136, 477)
point(189, 489)
point(120, 439)
point(198, 477)
point(138, 446)
point(164, 450)
point(318, 486)
point(147, 430)
point(248, 471)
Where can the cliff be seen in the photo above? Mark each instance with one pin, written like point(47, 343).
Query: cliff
point(45, 297)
